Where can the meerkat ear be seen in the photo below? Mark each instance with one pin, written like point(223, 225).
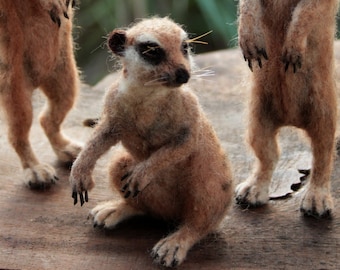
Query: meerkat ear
point(116, 42)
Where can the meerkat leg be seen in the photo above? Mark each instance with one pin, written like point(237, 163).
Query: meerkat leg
point(318, 201)
point(200, 212)
point(61, 90)
point(18, 108)
point(255, 190)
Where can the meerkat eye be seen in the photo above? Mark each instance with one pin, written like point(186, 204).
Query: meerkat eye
point(151, 52)
point(185, 48)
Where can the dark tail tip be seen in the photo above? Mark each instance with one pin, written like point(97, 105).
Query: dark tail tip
point(91, 122)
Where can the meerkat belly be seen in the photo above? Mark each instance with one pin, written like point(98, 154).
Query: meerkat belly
point(287, 96)
point(142, 141)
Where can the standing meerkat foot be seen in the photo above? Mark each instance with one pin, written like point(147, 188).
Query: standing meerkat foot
point(40, 176)
point(317, 202)
point(250, 193)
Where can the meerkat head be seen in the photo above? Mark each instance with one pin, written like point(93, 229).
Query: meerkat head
point(153, 52)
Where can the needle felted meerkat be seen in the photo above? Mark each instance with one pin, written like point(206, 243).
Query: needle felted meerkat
point(172, 165)
point(36, 50)
point(289, 47)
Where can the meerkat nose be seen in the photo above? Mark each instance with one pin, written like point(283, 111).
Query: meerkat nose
point(182, 76)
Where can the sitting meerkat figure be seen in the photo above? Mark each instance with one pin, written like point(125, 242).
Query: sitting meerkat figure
point(289, 47)
point(172, 165)
point(36, 50)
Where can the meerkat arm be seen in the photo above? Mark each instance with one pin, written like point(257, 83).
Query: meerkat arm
point(81, 180)
point(251, 38)
point(304, 18)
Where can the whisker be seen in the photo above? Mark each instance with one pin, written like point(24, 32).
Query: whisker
point(150, 49)
point(157, 81)
point(195, 39)
point(203, 72)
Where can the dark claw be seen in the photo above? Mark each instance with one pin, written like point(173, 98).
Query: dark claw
point(125, 176)
point(154, 255)
point(250, 65)
point(81, 196)
point(174, 263)
point(264, 54)
point(55, 18)
point(86, 196)
point(75, 197)
point(58, 21)
point(124, 187)
point(135, 194)
point(127, 195)
point(245, 58)
point(54, 179)
point(286, 66)
point(259, 61)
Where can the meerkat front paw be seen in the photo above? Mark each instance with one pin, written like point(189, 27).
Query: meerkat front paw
point(253, 47)
point(134, 181)
point(317, 202)
point(109, 214)
point(40, 176)
point(81, 182)
point(292, 56)
point(56, 9)
point(249, 193)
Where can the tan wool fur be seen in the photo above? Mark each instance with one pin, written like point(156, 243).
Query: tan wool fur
point(172, 165)
point(36, 50)
point(289, 47)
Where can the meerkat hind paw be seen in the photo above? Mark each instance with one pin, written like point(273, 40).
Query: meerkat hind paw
point(251, 195)
point(317, 203)
point(68, 153)
point(171, 251)
point(110, 214)
point(40, 176)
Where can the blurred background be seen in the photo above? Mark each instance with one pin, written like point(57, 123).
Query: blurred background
point(95, 19)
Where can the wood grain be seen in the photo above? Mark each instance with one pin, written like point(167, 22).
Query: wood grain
point(43, 230)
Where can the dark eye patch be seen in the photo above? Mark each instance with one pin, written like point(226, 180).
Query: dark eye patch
point(151, 52)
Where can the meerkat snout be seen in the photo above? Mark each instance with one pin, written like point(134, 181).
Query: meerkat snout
point(182, 76)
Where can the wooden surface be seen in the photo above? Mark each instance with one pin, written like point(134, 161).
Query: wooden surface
point(43, 230)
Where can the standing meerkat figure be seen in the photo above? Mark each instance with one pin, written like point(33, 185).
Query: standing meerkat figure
point(172, 165)
point(36, 50)
point(289, 47)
